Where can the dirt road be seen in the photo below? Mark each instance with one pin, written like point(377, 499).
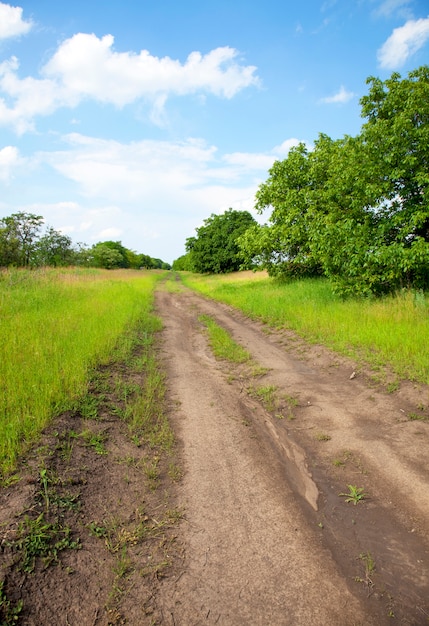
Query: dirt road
point(243, 524)
point(267, 539)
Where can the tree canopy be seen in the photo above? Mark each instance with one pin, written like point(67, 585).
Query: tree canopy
point(355, 209)
point(215, 249)
point(22, 244)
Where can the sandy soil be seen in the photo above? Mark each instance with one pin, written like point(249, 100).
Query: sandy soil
point(267, 538)
point(264, 538)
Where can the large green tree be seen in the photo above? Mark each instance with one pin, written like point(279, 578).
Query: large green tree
point(284, 245)
point(355, 208)
point(215, 249)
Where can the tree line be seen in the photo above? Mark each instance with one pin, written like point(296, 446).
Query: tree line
point(24, 243)
point(354, 209)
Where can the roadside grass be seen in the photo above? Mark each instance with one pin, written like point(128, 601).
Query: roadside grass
point(57, 325)
point(391, 331)
point(222, 344)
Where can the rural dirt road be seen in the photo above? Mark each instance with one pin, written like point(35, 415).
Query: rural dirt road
point(241, 523)
point(267, 540)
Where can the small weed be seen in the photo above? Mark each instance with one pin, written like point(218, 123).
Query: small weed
point(136, 440)
point(416, 416)
point(338, 463)
point(291, 401)
point(65, 450)
point(267, 395)
point(39, 538)
point(44, 479)
point(94, 440)
point(88, 407)
point(258, 370)
point(369, 563)
point(393, 386)
point(7, 481)
point(151, 470)
point(97, 531)
point(355, 494)
point(174, 472)
point(9, 613)
point(174, 515)
point(323, 437)
point(124, 564)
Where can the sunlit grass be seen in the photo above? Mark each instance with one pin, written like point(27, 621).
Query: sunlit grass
point(391, 331)
point(222, 344)
point(55, 326)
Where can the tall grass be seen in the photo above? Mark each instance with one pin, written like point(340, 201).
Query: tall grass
point(55, 326)
point(391, 331)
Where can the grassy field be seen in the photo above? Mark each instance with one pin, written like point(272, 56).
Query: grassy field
point(391, 331)
point(55, 327)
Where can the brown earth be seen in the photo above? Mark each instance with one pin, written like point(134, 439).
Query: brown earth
point(255, 531)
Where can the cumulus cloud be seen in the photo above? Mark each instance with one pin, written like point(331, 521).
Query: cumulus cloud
point(11, 22)
point(9, 158)
point(403, 43)
point(262, 162)
point(87, 67)
point(341, 97)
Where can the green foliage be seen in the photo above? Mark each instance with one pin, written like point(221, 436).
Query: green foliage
point(215, 249)
point(22, 245)
point(183, 263)
point(109, 254)
point(54, 249)
point(354, 495)
point(18, 234)
point(355, 209)
point(223, 346)
point(57, 325)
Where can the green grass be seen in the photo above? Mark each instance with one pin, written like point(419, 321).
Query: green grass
point(392, 331)
point(223, 346)
point(56, 327)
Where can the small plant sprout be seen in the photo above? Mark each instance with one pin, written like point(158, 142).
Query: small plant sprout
point(355, 494)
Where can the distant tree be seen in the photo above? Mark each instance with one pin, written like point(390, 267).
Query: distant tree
point(18, 238)
point(9, 247)
point(215, 248)
point(53, 248)
point(146, 261)
point(183, 263)
point(109, 254)
point(102, 255)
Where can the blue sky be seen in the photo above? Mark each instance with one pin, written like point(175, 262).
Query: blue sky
point(134, 121)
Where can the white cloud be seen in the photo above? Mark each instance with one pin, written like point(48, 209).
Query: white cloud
point(250, 161)
point(262, 162)
point(283, 149)
point(86, 67)
point(108, 234)
point(394, 7)
point(9, 158)
point(150, 194)
point(403, 43)
point(11, 22)
point(341, 97)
